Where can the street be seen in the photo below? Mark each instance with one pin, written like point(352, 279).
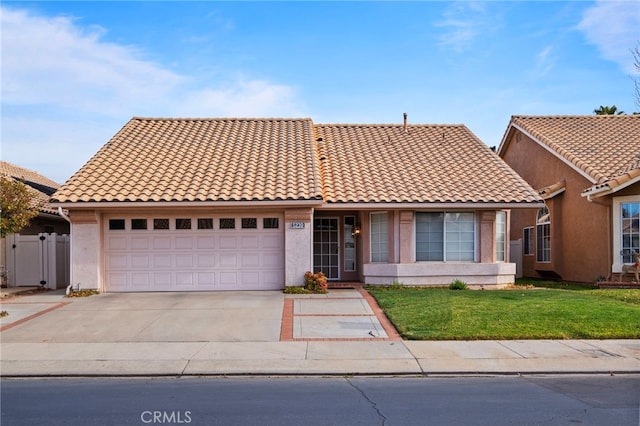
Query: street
point(470, 400)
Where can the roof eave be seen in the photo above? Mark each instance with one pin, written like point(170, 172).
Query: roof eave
point(162, 204)
point(598, 191)
point(431, 205)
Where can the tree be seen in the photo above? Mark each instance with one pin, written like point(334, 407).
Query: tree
point(607, 110)
point(18, 206)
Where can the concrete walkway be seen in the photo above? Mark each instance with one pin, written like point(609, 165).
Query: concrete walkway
point(261, 333)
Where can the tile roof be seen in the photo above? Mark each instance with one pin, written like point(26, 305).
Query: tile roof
point(201, 160)
point(40, 186)
point(604, 147)
point(293, 159)
point(425, 164)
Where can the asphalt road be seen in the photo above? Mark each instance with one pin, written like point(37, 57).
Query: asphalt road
point(497, 400)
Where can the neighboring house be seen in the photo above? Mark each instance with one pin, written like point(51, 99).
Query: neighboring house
point(587, 169)
point(221, 204)
point(24, 260)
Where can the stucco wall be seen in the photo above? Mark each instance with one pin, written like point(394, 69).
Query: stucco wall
point(298, 245)
point(440, 273)
point(580, 230)
point(85, 250)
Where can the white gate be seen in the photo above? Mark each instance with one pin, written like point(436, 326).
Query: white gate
point(515, 248)
point(34, 260)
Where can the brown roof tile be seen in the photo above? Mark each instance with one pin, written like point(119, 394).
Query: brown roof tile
point(604, 147)
point(425, 164)
point(201, 160)
point(41, 186)
point(293, 159)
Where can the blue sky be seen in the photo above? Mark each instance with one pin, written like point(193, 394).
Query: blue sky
point(73, 73)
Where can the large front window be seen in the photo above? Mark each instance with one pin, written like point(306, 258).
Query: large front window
point(445, 236)
point(379, 237)
point(543, 236)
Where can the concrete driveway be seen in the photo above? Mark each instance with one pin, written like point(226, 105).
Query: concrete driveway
point(147, 317)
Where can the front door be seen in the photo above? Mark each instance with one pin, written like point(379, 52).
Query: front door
point(326, 247)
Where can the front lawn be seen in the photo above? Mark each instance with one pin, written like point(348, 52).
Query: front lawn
point(538, 313)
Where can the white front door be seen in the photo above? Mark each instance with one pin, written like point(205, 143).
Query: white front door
point(194, 253)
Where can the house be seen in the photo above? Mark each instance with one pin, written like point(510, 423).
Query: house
point(587, 170)
point(222, 204)
point(38, 255)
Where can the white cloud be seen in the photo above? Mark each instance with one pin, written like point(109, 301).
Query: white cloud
point(63, 87)
point(544, 62)
point(462, 22)
point(241, 98)
point(614, 27)
point(51, 61)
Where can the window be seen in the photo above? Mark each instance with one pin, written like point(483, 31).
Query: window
point(116, 224)
point(227, 223)
point(630, 230)
point(138, 223)
point(501, 236)
point(379, 237)
point(543, 236)
point(160, 223)
point(249, 223)
point(442, 236)
point(270, 223)
point(205, 223)
point(183, 223)
point(527, 236)
point(349, 243)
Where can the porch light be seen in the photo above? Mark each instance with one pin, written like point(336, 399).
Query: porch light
point(356, 231)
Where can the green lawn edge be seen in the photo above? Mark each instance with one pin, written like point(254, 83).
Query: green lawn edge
point(514, 314)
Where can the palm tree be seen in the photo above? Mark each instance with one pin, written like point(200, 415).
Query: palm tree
point(607, 110)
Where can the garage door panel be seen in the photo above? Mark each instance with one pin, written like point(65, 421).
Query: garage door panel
point(194, 259)
point(140, 260)
point(271, 260)
point(139, 243)
point(249, 242)
point(250, 260)
point(228, 260)
point(162, 260)
point(228, 278)
point(184, 243)
point(204, 243)
point(271, 242)
point(162, 243)
point(117, 261)
point(184, 260)
point(206, 279)
point(162, 280)
point(140, 280)
point(184, 278)
point(117, 243)
point(206, 260)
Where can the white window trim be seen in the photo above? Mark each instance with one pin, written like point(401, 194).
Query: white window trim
point(617, 230)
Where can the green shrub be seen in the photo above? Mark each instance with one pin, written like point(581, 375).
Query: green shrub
point(295, 290)
point(457, 285)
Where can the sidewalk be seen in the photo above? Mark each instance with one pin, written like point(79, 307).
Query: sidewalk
point(263, 333)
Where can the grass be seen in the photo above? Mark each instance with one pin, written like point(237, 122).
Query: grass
point(537, 313)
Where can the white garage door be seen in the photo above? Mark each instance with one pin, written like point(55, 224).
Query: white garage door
point(224, 252)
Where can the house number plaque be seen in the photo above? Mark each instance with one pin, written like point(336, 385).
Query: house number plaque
point(297, 225)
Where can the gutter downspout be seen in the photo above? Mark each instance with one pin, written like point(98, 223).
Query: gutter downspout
point(62, 215)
